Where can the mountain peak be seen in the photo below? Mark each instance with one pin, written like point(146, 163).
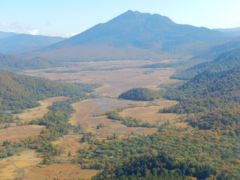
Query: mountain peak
point(138, 13)
point(137, 30)
point(134, 12)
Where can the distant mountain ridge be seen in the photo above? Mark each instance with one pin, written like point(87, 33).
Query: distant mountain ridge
point(141, 30)
point(6, 34)
point(13, 43)
point(133, 35)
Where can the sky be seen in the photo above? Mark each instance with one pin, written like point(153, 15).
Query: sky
point(69, 17)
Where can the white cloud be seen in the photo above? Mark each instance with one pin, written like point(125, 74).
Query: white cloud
point(33, 32)
point(18, 28)
point(67, 35)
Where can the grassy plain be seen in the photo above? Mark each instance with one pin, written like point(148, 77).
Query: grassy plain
point(18, 133)
point(114, 78)
point(70, 144)
point(16, 166)
point(60, 172)
point(90, 116)
point(150, 113)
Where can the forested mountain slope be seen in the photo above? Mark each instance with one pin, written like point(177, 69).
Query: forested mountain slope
point(224, 62)
point(18, 91)
point(207, 91)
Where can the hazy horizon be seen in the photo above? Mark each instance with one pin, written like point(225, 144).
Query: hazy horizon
point(67, 18)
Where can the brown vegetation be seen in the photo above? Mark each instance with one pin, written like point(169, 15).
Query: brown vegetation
point(15, 166)
point(60, 172)
point(18, 133)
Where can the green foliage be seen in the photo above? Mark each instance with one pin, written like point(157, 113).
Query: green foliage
point(9, 149)
point(156, 166)
point(227, 121)
point(6, 117)
point(128, 121)
point(140, 94)
point(207, 91)
point(19, 92)
point(48, 151)
point(198, 148)
point(56, 121)
point(87, 137)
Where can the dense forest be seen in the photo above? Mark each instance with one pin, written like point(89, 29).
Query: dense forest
point(207, 91)
point(158, 167)
point(211, 97)
point(189, 152)
point(140, 94)
point(19, 91)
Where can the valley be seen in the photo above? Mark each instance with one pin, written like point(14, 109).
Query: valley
point(114, 77)
point(138, 96)
point(100, 122)
point(90, 114)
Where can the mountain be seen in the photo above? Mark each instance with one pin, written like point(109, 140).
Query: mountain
point(134, 35)
point(11, 43)
point(212, 98)
point(6, 34)
point(230, 31)
point(220, 84)
point(224, 62)
point(19, 91)
point(207, 91)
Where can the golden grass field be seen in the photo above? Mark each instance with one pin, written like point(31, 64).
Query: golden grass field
point(115, 80)
point(90, 113)
point(37, 112)
point(59, 172)
point(16, 166)
point(18, 133)
point(150, 114)
point(70, 144)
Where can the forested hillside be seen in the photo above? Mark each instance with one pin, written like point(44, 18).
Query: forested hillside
point(224, 62)
point(159, 167)
point(18, 91)
point(207, 91)
point(13, 63)
point(213, 94)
